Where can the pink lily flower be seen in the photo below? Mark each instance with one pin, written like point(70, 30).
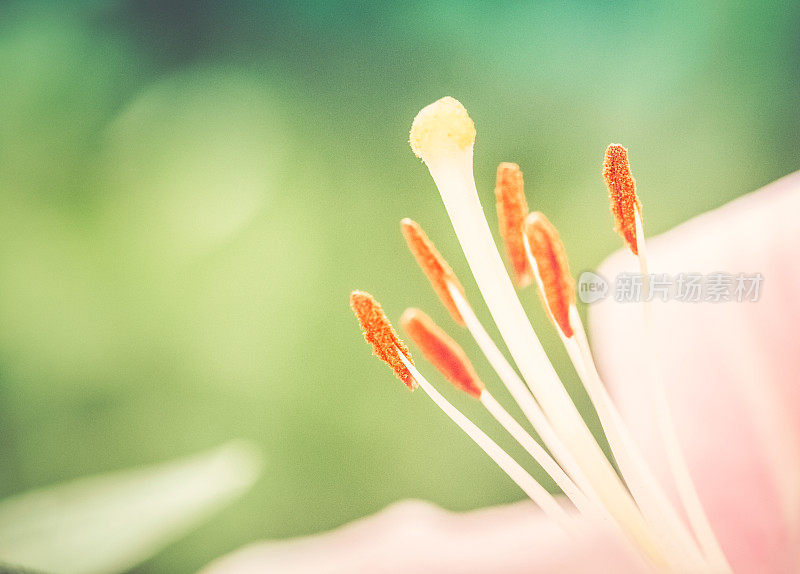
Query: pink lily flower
point(729, 371)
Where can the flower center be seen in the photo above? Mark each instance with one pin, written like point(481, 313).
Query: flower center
point(631, 502)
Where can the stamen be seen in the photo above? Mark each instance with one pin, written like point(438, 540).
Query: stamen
point(626, 209)
point(433, 265)
point(622, 192)
point(442, 278)
point(451, 360)
point(440, 129)
point(379, 333)
point(552, 270)
point(442, 351)
point(512, 208)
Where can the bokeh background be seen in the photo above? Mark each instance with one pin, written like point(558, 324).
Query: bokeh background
point(189, 192)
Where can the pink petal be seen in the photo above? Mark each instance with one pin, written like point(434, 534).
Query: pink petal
point(730, 368)
point(415, 536)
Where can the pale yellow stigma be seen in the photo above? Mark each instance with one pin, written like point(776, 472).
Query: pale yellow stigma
point(440, 129)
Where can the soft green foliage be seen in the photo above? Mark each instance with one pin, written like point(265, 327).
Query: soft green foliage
point(189, 191)
point(108, 523)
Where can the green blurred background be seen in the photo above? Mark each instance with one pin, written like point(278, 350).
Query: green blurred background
point(189, 191)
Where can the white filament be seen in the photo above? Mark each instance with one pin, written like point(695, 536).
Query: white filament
point(677, 462)
point(538, 454)
point(521, 394)
point(643, 485)
point(515, 472)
